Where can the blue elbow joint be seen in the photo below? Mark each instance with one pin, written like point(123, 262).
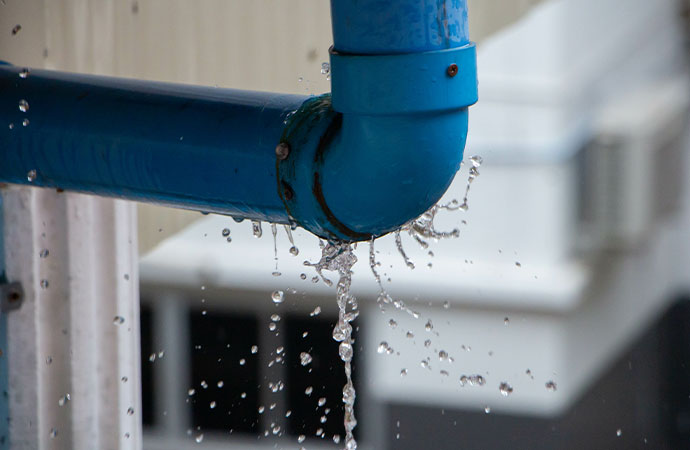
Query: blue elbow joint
point(383, 147)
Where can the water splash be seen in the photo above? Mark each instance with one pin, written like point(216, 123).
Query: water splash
point(384, 298)
point(474, 173)
point(274, 232)
point(294, 251)
point(339, 257)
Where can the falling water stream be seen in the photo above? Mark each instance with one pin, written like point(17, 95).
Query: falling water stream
point(339, 257)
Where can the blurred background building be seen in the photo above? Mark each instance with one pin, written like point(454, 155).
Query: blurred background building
point(566, 289)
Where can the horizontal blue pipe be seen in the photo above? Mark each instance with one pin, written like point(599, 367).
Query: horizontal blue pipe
point(201, 148)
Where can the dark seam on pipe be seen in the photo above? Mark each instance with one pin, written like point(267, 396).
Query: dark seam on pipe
point(328, 136)
point(285, 138)
point(324, 144)
point(318, 194)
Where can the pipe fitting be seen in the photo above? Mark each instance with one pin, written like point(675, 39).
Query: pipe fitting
point(383, 149)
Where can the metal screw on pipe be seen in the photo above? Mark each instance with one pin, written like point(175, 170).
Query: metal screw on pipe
point(282, 151)
point(452, 70)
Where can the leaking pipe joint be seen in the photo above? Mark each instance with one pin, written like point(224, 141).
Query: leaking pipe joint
point(388, 143)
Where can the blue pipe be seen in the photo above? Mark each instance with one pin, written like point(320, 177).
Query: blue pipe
point(393, 134)
point(378, 153)
point(199, 148)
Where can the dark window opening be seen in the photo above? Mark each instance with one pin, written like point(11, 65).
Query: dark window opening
point(147, 384)
point(324, 375)
point(219, 342)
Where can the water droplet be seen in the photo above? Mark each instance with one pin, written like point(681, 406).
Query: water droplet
point(11, 126)
point(403, 372)
point(191, 392)
point(261, 409)
point(427, 343)
point(429, 326)
point(255, 349)
point(487, 410)
point(301, 438)
point(336, 439)
point(23, 105)
point(64, 399)
point(424, 364)
point(619, 432)
point(280, 350)
point(212, 405)
point(16, 29)
point(226, 232)
point(277, 297)
point(392, 323)
point(199, 438)
point(300, 79)
point(303, 276)
point(383, 347)
point(476, 160)
point(220, 384)
point(272, 326)
point(243, 395)
point(203, 384)
point(152, 357)
point(517, 263)
point(505, 389)
point(130, 411)
point(315, 312)
point(243, 362)
point(345, 351)
point(309, 390)
point(275, 317)
point(288, 413)
point(44, 284)
point(24, 73)
point(551, 386)
point(118, 320)
point(446, 304)
point(472, 380)
point(53, 433)
point(325, 68)
point(294, 251)
point(44, 253)
point(443, 356)
point(256, 229)
point(506, 321)
point(25, 122)
point(305, 358)
point(31, 175)
point(322, 401)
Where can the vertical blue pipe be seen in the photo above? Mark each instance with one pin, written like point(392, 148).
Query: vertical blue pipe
point(382, 27)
